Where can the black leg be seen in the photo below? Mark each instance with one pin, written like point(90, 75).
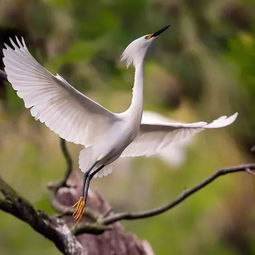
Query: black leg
point(87, 179)
point(79, 206)
point(96, 171)
point(86, 182)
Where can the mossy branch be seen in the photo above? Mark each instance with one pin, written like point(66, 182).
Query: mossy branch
point(51, 227)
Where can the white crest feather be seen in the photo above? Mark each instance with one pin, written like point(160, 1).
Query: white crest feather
point(135, 51)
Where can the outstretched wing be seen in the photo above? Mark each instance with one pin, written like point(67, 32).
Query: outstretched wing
point(159, 135)
point(52, 100)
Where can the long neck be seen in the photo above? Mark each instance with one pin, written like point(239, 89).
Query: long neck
point(136, 106)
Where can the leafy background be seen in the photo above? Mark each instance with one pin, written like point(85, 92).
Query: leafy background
point(202, 68)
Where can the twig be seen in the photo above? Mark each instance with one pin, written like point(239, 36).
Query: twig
point(69, 168)
point(69, 162)
point(3, 75)
point(249, 168)
point(90, 228)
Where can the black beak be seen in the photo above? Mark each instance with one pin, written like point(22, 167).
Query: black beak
point(160, 31)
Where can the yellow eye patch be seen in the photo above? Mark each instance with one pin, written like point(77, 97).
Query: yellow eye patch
point(147, 37)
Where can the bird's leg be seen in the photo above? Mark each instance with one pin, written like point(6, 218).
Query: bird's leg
point(87, 182)
point(79, 206)
point(81, 203)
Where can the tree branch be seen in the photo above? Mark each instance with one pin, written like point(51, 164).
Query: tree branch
point(69, 162)
point(69, 168)
point(90, 228)
point(51, 227)
point(3, 75)
point(249, 168)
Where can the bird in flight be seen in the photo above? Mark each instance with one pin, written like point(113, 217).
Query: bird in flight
point(105, 135)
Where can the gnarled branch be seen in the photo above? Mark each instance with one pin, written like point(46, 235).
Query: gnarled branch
point(52, 228)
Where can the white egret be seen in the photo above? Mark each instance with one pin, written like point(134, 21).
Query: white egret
point(105, 135)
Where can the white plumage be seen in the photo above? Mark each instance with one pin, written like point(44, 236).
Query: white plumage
point(52, 100)
point(76, 118)
point(157, 135)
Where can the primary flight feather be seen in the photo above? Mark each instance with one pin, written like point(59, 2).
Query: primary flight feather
point(106, 136)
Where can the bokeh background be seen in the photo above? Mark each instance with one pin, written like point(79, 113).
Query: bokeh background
point(202, 68)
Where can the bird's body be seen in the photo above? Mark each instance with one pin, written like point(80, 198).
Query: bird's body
point(105, 135)
point(120, 133)
point(111, 145)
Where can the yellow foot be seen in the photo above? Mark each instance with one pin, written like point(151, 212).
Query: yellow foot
point(79, 208)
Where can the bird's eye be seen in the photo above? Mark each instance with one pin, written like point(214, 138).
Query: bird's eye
point(147, 37)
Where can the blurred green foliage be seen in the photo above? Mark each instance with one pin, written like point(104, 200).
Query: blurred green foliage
point(200, 69)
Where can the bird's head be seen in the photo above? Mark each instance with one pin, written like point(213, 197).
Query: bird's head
point(136, 50)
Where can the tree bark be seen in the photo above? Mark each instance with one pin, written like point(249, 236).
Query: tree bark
point(113, 240)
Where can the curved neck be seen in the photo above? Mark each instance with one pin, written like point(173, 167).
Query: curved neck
point(136, 106)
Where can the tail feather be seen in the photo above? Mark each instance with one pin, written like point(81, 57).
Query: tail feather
point(86, 159)
point(104, 172)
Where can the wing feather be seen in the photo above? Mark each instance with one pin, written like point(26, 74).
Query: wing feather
point(159, 134)
point(52, 100)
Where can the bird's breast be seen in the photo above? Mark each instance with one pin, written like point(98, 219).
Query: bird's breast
point(116, 139)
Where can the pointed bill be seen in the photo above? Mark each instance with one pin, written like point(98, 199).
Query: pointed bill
point(160, 31)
